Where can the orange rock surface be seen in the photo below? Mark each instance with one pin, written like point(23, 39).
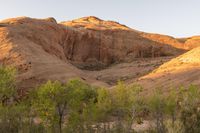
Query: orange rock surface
point(88, 48)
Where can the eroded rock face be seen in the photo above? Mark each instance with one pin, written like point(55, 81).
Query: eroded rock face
point(87, 42)
point(44, 50)
point(35, 47)
point(101, 43)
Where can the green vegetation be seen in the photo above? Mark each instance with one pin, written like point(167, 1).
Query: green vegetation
point(76, 107)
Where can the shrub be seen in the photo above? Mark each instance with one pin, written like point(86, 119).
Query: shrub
point(7, 84)
point(157, 106)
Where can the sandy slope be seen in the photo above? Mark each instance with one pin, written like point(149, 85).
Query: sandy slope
point(183, 70)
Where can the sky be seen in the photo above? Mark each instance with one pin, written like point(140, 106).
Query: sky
point(178, 18)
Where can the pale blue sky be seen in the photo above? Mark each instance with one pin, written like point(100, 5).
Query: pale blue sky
point(178, 18)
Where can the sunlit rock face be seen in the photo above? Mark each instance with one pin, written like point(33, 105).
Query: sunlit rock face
point(183, 70)
point(192, 42)
point(43, 49)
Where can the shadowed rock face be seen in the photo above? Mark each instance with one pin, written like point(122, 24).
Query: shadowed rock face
point(107, 47)
point(44, 50)
point(102, 43)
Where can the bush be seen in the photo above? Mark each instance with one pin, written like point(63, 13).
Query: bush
point(7, 85)
point(190, 110)
point(78, 107)
point(14, 114)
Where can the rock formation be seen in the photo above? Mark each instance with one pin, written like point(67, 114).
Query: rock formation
point(102, 43)
point(43, 49)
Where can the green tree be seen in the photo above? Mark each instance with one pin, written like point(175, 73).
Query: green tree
point(82, 101)
point(52, 103)
point(156, 103)
point(98, 112)
point(171, 105)
point(190, 109)
point(123, 100)
point(63, 105)
point(103, 105)
point(14, 113)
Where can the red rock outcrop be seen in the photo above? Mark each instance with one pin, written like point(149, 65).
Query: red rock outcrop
point(44, 50)
point(35, 47)
point(102, 43)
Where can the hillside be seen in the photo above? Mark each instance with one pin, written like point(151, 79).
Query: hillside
point(183, 70)
point(97, 51)
point(34, 47)
point(106, 42)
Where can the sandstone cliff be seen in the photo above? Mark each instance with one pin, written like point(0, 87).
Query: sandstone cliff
point(43, 49)
point(102, 43)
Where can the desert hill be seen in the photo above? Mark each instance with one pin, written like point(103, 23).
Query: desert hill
point(102, 43)
point(183, 70)
point(34, 47)
point(97, 51)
